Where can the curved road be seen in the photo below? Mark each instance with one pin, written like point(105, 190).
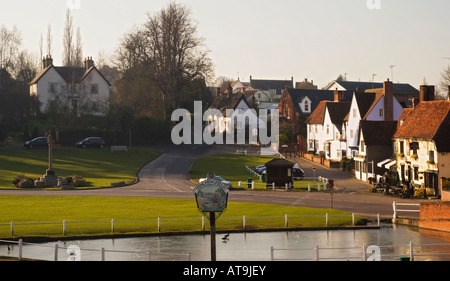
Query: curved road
point(167, 177)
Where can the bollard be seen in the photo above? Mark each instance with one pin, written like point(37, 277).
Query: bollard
point(353, 219)
point(309, 186)
point(286, 221)
point(253, 185)
point(378, 219)
point(203, 223)
point(56, 252)
point(273, 186)
point(286, 186)
point(239, 184)
point(112, 225)
point(64, 227)
point(103, 254)
point(159, 224)
point(243, 222)
point(20, 248)
point(318, 186)
point(326, 219)
point(12, 228)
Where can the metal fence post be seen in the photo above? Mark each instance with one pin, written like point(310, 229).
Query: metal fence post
point(112, 225)
point(286, 220)
point(103, 254)
point(326, 219)
point(12, 228)
point(159, 224)
point(243, 222)
point(317, 252)
point(395, 210)
point(20, 249)
point(56, 252)
point(64, 227)
point(353, 219)
point(203, 223)
point(378, 219)
point(411, 250)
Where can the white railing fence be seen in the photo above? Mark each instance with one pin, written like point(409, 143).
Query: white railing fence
point(58, 252)
point(409, 252)
point(396, 209)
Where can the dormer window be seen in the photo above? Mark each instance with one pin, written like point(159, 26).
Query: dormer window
point(306, 106)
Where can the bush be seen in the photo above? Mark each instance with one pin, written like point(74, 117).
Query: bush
point(76, 181)
point(22, 178)
point(26, 183)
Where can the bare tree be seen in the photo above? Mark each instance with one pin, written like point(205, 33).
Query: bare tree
point(168, 46)
point(78, 51)
point(49, 40)
point(444, 84)
point(68, 45)
point(10, 41)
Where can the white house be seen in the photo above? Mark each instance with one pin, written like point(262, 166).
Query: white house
point(324, 128)
point(376, 105)
point(75, 89)
point(422, 142)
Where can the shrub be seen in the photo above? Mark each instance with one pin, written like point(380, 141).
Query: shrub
point(76, 180)
point(21, 178)
point(26, 183)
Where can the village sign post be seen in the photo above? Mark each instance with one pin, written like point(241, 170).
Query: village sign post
point(211, 196)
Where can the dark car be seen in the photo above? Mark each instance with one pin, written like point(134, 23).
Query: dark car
point(91, 142)
point(298, 173)
point(36, 142)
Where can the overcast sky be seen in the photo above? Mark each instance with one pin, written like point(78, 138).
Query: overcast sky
point(268, 39)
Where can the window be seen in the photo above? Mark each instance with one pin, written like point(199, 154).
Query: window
point(401, 147)
point(354, 112)
point(414, 146)
point(351, 134)
point(52, 87)
point(328, 129)
point(362, 146)
point(381, 112)
point(306, 106)
point(431, 156)
point(416, 173)
point(94, 89)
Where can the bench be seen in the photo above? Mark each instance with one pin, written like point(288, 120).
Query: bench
point(119, 148)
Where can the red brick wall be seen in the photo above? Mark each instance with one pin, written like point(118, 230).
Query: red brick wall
point(435, 215)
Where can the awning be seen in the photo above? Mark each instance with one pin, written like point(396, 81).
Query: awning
point(380, 164)
point(387, 163)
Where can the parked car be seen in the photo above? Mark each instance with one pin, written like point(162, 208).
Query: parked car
point(36, 142)
point(91, 142)
point(260, 168)
point(227, 183)
point(298, 172)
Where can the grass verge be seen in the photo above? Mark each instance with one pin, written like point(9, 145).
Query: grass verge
point(100, 167)
point(86, 216)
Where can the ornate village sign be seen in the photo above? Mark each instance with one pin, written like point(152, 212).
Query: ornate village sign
point(211, 196)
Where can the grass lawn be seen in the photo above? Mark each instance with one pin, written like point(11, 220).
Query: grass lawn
point(100, 167)
point(42, 216)
point(232, 168)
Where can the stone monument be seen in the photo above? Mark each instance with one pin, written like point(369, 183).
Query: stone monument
point(50, 179)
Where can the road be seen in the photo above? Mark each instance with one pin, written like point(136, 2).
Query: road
point(167, 177)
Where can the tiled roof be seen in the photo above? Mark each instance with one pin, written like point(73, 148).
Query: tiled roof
point(378, 132)
point(318, 115)
point(398, 88)
point(69, 74)
point(316, 96)
point(429, 120)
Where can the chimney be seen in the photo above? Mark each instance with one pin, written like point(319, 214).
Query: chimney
point(426, 93)
point(388, 90)
point(338, 96)
point(88, 63)
point(47, 61)
point(229, 91)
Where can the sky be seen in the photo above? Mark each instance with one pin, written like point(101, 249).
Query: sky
point(268, 39)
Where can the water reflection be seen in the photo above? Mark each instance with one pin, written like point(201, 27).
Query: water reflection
point(244, 246)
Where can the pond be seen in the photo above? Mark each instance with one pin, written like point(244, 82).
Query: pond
point(392, 242)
